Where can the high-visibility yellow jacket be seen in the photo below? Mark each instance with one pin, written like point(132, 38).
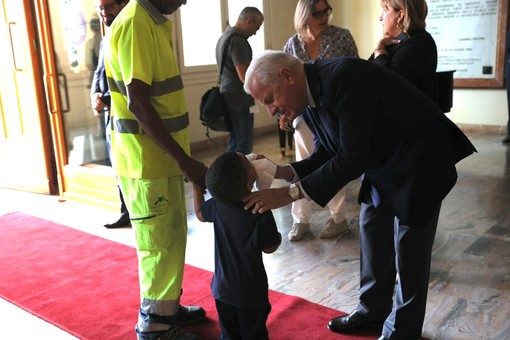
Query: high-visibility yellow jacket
point(139, 46)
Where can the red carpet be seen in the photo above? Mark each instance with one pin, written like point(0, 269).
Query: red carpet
point(88, 286)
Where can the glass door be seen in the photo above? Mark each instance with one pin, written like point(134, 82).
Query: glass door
point(25, 142)
point(76, 36)
point(70, 34)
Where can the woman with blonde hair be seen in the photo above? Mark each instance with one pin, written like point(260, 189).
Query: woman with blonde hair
point(406, 47)
point(315, 39)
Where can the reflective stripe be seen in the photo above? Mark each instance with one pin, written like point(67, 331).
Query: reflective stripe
point(117, 86)
point(158, 88)
point(132, 126)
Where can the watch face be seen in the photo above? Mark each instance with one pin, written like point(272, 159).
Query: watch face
point(294, 192)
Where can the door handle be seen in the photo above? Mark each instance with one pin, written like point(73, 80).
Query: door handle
point(52, 97)
point(14, 46)
point(62, 84)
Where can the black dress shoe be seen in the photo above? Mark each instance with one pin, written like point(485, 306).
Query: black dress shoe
point(189, 315)
point(506, 139)
point(352, 322)
point(122, 222)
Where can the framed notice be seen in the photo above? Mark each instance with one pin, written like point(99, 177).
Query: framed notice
point(470, 39)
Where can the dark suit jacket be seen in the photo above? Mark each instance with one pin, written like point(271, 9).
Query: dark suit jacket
point(99, 81)
point(414, 59)
point(370, 121)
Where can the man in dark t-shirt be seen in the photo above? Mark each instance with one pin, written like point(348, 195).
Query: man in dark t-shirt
point(234, 52)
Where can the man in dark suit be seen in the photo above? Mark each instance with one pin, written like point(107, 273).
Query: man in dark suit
point(368, 122)
point(100, 95)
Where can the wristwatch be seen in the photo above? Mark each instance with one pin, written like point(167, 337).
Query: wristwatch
point(294, 192)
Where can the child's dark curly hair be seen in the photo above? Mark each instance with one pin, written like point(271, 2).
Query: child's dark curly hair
point(226, 178)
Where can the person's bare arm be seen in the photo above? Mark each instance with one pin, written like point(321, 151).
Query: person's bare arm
point(139, 104)
point(284, 172)
point(241, 71)
point(198, 200)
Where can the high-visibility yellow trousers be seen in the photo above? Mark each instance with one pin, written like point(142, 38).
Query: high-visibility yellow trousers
point(158, 217)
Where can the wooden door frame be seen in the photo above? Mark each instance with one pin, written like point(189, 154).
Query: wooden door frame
point(46, 134)
point(50, 79)
point(34, 126)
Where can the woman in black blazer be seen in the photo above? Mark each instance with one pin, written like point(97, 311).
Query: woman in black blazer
point(406, 47)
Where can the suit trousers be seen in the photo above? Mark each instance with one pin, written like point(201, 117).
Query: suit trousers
point(395, 268)
point(302, 209)
point(108, 136)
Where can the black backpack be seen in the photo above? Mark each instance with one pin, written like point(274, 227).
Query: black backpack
point(214, 114)
point(213, 111)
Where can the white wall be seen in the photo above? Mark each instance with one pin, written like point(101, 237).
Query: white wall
point(479, 107)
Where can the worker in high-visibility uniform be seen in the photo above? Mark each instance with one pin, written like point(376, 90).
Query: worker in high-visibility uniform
point(150, 143)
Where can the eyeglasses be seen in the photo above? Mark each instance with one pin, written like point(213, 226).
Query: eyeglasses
point(107, 7)
point(320, 14)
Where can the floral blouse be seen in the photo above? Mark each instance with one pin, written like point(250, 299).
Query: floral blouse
point(336, 42)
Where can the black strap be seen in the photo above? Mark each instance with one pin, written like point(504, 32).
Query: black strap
point(225, 48)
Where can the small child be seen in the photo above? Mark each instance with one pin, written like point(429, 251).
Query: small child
point(239, 284)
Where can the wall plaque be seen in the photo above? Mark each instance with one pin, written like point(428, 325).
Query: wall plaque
point(470, 38)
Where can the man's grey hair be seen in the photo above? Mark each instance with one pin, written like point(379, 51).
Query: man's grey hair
point(265, 69)
point(251, 13)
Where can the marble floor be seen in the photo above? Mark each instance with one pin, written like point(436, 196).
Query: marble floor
point(469, 289)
